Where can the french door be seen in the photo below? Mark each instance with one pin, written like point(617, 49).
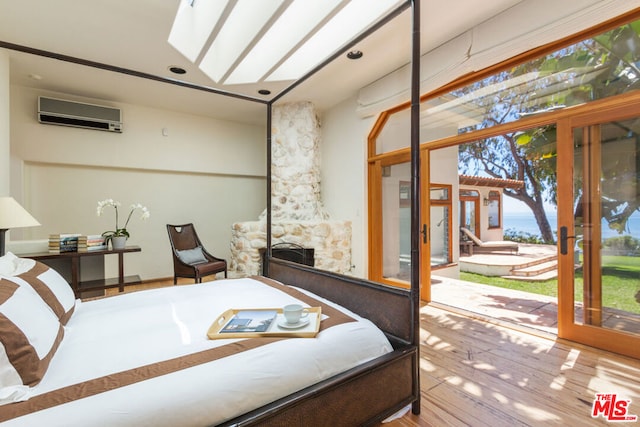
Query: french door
point(390, 228)
point(599, 229)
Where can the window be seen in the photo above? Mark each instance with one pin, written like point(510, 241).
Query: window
point(441, 224)
point(469, 207)
point(493, 209)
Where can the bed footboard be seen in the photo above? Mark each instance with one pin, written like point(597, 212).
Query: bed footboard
point(364, 297)
point(366, 394)
point(362, 396)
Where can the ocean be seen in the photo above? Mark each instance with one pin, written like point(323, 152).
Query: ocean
point(525, 222)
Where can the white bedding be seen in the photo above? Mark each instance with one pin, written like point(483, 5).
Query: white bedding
point(115, 334)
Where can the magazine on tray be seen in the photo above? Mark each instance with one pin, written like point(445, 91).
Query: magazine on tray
point(250, 321)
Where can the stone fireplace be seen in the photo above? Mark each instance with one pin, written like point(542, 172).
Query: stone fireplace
point(297, 216)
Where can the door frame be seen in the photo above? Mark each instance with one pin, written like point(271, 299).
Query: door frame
point(624, 105)
point(619, 108)
point(376, 238)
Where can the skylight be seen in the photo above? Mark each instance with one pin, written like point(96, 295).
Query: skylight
point(248, 41)
point(284, 35)
point(242, 26)
point(191, 27)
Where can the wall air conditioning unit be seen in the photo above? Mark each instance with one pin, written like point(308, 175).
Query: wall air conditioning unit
point(77, 114)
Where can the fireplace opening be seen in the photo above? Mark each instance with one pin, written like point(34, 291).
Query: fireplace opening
point(290, 252)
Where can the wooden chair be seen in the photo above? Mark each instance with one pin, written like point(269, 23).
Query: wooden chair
point(190, 258)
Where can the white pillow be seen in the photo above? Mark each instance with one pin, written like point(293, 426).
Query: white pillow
point(6, 264)
point(8, 375)
point(11, 387)
point(11, 265)
point(52, 288)
point(30, 334)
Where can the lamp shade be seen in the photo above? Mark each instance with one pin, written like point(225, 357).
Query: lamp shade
point(12, 215)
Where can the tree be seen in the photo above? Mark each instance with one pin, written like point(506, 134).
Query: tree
point(506, 157)
point(603, 66)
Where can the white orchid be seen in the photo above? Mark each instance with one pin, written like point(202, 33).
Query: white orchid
point(120, 231)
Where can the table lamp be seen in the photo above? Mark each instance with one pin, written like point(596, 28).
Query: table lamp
point(12, 215)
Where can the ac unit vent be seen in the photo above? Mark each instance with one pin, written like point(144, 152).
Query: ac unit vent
point(77, 114)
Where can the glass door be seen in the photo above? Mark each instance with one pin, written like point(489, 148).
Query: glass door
point(396, 226)
point(599, 232)
point(390, 229)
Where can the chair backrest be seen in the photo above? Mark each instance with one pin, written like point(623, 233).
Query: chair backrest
point(183, 236)
point(472, 236)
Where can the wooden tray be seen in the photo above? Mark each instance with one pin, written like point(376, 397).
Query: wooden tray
point(310, 330)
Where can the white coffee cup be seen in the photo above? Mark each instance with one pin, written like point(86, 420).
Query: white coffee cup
point(293, 313)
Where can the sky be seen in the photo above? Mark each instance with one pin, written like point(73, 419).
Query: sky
point(511, 205)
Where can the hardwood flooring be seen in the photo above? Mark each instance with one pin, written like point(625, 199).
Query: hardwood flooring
point(475, 373)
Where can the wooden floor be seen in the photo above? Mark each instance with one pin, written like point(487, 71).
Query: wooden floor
point(475, 373)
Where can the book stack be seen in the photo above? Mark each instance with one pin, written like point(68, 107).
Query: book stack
point(91, 242)
point(59, 243)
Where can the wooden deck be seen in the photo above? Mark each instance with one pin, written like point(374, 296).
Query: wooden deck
point(475, 373)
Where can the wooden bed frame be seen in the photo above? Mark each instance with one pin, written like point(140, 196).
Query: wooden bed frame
point(366, 394)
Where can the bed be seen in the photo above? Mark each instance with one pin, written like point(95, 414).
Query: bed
point(143, 358)
point(85, 364)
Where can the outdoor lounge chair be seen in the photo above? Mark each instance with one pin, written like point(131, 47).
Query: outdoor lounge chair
point(490, 246)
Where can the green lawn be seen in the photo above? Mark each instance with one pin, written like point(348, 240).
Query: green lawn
point(621, 283)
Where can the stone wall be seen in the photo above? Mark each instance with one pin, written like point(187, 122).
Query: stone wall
point(297, 212)
point(331, 241)
point(295, 164)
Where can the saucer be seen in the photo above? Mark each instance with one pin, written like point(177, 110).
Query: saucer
point(283, 324)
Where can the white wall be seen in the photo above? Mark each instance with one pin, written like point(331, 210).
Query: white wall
point(4, 123)
point(206, 171)
point(344, 174)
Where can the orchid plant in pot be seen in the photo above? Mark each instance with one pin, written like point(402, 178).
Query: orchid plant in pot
point(119, 236)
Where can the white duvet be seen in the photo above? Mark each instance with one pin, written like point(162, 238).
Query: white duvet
point(115, 334)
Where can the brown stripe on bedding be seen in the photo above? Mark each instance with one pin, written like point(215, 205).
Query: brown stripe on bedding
point(132, 376)
point(7, 289)
point(19, 350)
point(336, 317)
point(125, 378)
point(31, 277)
point(38, 372)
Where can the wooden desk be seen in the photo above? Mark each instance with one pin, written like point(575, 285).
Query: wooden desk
point(74, 257)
